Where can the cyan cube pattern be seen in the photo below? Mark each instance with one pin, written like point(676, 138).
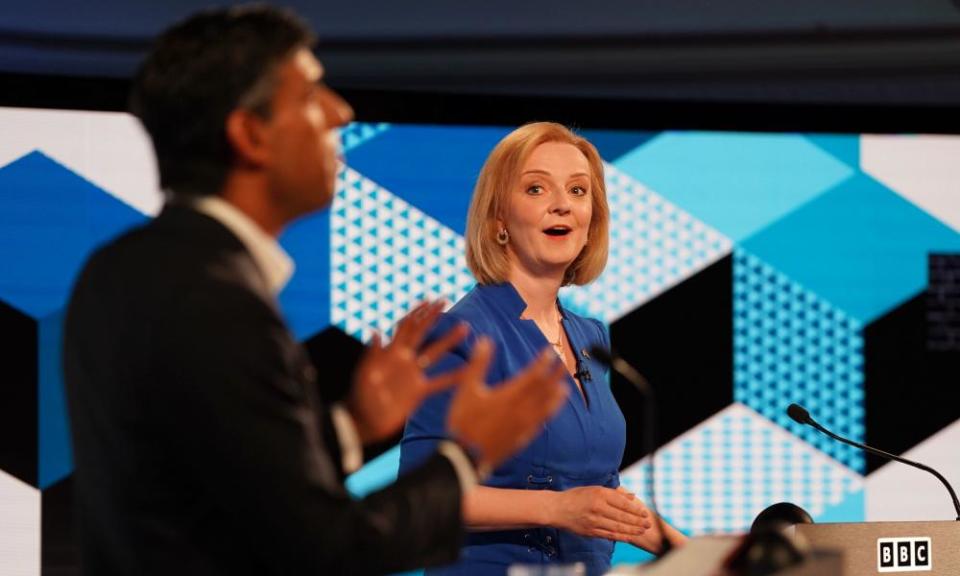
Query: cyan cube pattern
point(718, 476)
point(792, 346)
point(386, 256)
point(653, 246)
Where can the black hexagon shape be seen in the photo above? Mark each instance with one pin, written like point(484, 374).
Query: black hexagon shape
point(19, 442)
point(682, 341)
point(910, 377)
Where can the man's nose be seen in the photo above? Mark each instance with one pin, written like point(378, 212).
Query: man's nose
point(336, 109)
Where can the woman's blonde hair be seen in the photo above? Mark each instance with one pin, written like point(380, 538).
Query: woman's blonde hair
point(485, 257)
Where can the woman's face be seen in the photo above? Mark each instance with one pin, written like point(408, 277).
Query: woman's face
point(549, 209)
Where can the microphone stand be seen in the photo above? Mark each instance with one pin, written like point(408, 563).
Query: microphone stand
point(622, 367)
point(800, 415)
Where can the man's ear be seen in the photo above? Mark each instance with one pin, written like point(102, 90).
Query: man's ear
point(247, 136)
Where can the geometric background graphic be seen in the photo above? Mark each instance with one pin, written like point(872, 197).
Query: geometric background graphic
point(791, 346)
point(716, 477)
point(433, 168)
point(735, 182)
point(910, 386)
point(860, 246)
point(942, 299)
point(18, 409)
point(682, 341)
point(653, 246)
point(887, 495)
point(921, 168)
point(386, 256)
point(19, 527)
point(50, 220)
point(746, 271)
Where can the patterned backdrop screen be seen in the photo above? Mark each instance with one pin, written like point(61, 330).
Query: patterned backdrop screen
point(747, 271)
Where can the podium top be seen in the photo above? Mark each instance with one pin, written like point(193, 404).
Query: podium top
point(870, 548)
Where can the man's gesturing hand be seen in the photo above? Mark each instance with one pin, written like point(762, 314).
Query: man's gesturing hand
point(390, 381)
point(494, 422)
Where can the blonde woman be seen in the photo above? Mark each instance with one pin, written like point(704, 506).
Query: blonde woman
point(539, 221)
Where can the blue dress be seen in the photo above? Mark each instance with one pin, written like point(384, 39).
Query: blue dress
point(581, 446)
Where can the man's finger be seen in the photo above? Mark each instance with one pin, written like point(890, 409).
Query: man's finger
point(442, 345)
point(445, 380)
point(374, 346)
point(545, 394)
point(475, 371)
point(401, 336)
point(423, 322)
point(542, 382)
point(530, 377)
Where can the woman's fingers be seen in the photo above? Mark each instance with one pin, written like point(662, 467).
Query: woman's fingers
point(623, 500)
point(628, 517)
point(611, 525)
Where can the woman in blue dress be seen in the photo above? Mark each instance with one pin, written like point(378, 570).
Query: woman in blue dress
point(538, 221)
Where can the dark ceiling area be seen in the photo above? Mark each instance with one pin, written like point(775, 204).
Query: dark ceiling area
point(698, 63)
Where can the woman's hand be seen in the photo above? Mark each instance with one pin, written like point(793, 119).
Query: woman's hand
point(652, 539)
point(601, 512)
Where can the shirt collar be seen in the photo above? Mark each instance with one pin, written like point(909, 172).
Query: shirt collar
point(275, 264)
point(509, 298)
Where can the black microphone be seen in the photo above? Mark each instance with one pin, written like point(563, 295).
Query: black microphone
point(634, 377)
point(800, 415)
point(583, 371)
point(623, 368)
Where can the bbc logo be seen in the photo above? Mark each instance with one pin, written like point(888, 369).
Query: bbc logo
point(904, 555)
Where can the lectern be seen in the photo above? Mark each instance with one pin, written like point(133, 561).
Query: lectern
point(871, 548)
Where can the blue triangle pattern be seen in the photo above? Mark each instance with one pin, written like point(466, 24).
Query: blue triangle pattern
point(797, 349)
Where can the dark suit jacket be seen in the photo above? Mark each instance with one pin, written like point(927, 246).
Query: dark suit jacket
point(201, 441)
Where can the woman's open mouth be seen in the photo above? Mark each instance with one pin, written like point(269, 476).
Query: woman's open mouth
point(557, 231)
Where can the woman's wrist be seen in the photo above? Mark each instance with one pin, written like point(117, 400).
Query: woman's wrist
point(549, 508)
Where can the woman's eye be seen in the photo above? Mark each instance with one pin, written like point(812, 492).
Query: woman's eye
point(578, 191)
point(535, 189)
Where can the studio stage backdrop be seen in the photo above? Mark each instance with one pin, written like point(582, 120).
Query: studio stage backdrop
point(746, 271)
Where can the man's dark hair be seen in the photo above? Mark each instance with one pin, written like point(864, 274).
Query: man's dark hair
point(197, 73)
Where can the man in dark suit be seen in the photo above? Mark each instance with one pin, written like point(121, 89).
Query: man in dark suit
point(203, 440)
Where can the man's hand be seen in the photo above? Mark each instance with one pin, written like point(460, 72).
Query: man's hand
point(390, 382)
point(494, 423)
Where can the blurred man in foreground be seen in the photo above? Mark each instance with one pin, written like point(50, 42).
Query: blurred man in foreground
point(203, 441)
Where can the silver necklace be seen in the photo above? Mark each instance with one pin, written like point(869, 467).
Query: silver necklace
point(558, 345)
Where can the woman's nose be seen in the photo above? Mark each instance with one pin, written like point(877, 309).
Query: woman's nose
point(559, 202)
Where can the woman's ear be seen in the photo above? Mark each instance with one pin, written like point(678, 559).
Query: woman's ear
point(247, 137)
point(501, 223)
